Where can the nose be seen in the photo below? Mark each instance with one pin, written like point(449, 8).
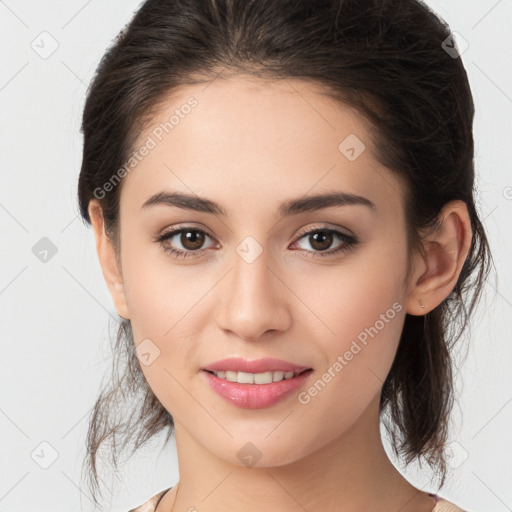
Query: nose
point(253, 300)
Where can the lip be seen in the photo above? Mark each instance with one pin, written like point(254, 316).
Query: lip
point(255, 396)
point(266, 364)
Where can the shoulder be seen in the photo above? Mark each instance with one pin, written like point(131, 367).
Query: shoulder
point(446, 506)
point(150, 505)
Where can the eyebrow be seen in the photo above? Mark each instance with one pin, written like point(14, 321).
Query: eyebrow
point(290, 207)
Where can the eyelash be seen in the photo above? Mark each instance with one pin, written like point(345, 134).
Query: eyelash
point(349, 242)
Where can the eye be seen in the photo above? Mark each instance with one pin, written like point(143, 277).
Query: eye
point(191, 240)
point(321, 239)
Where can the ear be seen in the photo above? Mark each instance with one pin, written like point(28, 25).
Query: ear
point(437, 271)
point(110, 267)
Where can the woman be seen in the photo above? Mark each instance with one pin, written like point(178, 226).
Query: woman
point(282, 200)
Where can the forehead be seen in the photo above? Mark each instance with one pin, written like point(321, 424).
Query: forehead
point(262, 139)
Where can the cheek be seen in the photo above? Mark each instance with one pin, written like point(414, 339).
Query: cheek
point(357, 312)
point(160, 294)
point(364, 312)
point(345, 300)
point(163, 300)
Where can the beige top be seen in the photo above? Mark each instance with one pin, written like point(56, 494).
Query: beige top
point(446, 506)
point(442, 505)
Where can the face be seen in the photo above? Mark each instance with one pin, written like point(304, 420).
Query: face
point(320, 287)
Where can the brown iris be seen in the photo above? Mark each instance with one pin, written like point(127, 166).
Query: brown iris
point(323, 239)
point(192, 237)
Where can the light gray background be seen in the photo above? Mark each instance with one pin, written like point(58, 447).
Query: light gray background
point(54, 323)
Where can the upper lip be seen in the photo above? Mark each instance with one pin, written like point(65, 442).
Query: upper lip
point(266, 364)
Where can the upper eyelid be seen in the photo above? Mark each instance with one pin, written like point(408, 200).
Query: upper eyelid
point(179, 229)
point(339, 230)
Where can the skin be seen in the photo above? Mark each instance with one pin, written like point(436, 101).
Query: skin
point(250, 146)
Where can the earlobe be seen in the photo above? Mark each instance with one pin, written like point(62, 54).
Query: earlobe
point(445, 252)
point(110, 266)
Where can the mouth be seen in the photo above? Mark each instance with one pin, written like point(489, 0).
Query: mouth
point(255, 390)
point(256, 378)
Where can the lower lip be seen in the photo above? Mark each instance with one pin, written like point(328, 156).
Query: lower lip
point(255, 396)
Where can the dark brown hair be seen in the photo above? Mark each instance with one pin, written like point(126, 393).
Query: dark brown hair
point(385, 58)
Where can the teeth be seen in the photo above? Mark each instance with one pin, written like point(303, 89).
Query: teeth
point(254, 378)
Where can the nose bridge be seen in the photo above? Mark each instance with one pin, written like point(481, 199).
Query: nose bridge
point(252, 301)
